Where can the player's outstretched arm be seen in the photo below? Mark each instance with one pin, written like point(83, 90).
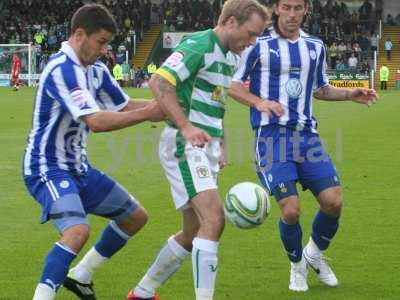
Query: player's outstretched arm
point(359, 95)
point(108, 121)
point(165, 94)
point(240, 93)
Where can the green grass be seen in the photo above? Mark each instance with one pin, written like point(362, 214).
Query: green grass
point(364, 144)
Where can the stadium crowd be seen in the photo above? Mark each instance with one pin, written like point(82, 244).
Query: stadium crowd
point(43, 23)
point(350, 34)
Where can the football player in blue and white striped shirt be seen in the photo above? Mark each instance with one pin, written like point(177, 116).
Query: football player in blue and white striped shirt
point(77, 94)
point(286, 68)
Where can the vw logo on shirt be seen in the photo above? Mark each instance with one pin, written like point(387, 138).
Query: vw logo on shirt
point(294, 87)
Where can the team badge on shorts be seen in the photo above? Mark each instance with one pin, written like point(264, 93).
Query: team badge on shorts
point(64, 184)
point(202, 172)
point(294, 88)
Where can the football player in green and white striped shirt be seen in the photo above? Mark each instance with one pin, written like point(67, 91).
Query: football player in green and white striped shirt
point(191, 87)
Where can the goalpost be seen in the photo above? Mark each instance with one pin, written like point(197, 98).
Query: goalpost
point(27, 54)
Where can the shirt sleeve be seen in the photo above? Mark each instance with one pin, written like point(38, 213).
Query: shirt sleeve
point(67, 84)
point(246, 64)
point(184, 62)
point(321, 75)
point(111, 96)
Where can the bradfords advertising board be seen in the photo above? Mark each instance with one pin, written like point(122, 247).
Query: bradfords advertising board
point(349, 80)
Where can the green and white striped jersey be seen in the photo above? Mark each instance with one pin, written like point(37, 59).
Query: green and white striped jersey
point(202, 70)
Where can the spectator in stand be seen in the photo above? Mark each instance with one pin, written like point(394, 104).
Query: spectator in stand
point(125, 73)
point(118, 75)
point(342, 49)
point(365, 11)
point(340, 66)
point(365, 68)
point(333, 52)
point(388, 48)
point(384, 77)
point(397, 19)
point(389, 20)
point(357, 50)
point(352, 63)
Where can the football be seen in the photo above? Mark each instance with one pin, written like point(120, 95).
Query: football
point(247, 205)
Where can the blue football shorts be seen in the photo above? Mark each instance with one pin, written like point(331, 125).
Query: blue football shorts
point(66, 199)
point(285, 155)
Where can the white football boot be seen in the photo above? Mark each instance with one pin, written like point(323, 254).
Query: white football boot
point(298, 276)
point(318, 262)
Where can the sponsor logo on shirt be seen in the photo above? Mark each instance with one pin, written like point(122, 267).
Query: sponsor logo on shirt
point(174, 59)
point(78, 98)
point(293, 87)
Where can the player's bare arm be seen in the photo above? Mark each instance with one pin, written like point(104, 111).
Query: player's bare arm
point(108, 121)
point(359, 95)
point(240, 93)
point(165, 94)
point(134, 104)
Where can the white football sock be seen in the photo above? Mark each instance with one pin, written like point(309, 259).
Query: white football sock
point(205, 264)
point(44, 292)
point(84, 270)
point(312, 248)
point(168, 261)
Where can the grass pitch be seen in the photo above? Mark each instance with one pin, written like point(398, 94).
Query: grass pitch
point(364, 144)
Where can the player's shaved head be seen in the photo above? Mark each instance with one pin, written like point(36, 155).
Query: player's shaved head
point(92, 18)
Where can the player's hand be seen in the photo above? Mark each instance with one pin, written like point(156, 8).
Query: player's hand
point(154, 111)
point(363, 96)
point(194, 135)
point(270, 108)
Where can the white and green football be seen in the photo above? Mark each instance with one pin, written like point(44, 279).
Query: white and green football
point(247, 205)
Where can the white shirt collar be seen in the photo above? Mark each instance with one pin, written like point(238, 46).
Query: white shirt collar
point(70, 52)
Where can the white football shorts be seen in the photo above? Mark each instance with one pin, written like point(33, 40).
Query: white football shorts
point(189, 169)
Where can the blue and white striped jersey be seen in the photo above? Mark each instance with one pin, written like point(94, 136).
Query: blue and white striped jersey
point(67, 91)
point(287, 72)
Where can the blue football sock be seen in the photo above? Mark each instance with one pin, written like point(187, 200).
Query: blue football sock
point(56, 266)
point(324, 229)
point(291, 236)
point(111, 241)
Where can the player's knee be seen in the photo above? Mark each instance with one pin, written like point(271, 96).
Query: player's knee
point(134, 221)
point(331, 201)
point(214, 222)
point(290, 213)
point(291, 216)
point(76, 236)
point(333, 207)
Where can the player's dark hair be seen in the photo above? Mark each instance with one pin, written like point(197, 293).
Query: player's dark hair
point(275, 16)
point(92, 18)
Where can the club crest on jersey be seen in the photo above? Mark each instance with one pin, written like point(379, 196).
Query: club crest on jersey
point(293, 87)
point(313, 54)
point(219, 94)
point(202, 172)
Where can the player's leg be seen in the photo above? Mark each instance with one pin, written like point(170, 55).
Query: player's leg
point(169, 259)
point(319, 176)
point(209, 210)
point(277, 172)
point(104, 197)
point(61, 204)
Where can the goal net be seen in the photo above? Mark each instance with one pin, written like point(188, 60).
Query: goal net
point(28, 56)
